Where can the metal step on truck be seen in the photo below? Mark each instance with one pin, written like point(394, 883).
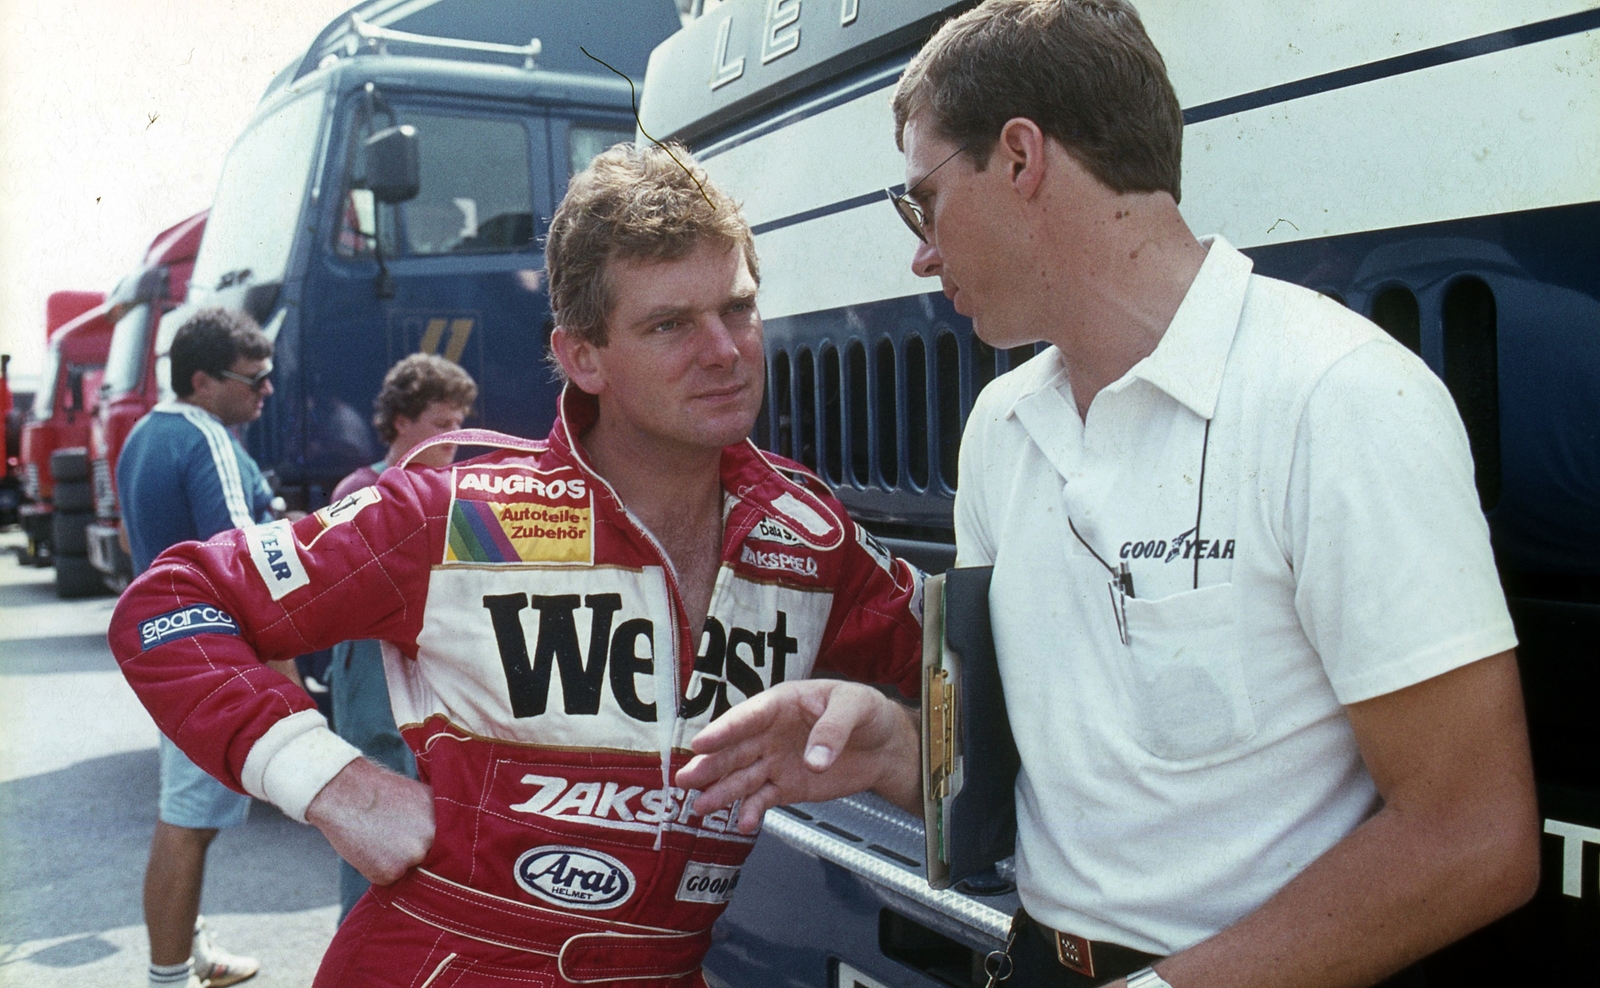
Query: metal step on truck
point(389, 197)
point(1429, 166)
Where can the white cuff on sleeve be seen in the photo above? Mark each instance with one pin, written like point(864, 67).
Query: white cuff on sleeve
point(291, 763)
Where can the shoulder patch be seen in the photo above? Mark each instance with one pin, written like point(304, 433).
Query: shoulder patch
point(277, 558)
point(796, 509)
point(347, 507)
point(772, 530)
point(519, 514)
point(185, 622)
point(877, 550)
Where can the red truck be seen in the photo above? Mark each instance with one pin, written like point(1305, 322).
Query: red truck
point(131, 387)
point(54, 456)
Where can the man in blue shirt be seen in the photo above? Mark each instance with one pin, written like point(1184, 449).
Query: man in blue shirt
point(182, 477)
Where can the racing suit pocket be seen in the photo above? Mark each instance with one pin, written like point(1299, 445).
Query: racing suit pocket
point(1186, 676)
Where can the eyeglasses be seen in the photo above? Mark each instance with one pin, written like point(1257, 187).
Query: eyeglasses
point(910, 211)
point(253, 383)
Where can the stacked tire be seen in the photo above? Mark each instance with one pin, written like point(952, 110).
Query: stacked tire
point(74, 511)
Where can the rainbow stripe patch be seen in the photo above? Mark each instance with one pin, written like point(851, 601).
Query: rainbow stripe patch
point(518, 515)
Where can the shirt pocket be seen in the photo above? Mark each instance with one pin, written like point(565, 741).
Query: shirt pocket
point(1186, 676)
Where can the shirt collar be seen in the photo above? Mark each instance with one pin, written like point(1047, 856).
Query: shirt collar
point(1188, 362)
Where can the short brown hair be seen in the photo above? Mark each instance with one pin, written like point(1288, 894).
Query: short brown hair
point(415, 383)
point(632, 203)
point(1083, 70)
point(212, 340)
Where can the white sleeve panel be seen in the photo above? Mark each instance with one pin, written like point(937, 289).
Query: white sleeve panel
point(226, 464)
point(1395, 579)
point(291, 763)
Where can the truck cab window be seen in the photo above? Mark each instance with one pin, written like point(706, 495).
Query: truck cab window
point(584, 141)
point(476, 195)
point(263, 187)
point(125, 361)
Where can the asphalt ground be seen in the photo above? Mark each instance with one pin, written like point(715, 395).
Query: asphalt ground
point(78, 785)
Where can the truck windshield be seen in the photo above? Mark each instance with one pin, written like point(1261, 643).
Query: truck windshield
point(129, 341)
point(476, 195)
point(44, 403)
point(257, 210)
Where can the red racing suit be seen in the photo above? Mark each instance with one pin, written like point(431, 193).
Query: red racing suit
point(542, 669)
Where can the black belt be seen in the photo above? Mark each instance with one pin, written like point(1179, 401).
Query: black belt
point(1096, 959)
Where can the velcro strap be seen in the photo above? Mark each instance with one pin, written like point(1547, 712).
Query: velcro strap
point(593, 957)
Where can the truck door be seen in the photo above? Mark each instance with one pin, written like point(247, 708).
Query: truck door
point(463, 279)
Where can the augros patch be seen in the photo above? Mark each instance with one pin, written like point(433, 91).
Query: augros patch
point(185, 622)
point(273, 551)
point(708, 882)
point(519, 515)
point(574, 877)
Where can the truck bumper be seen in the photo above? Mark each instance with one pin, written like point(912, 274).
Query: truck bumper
point(37, 521)
point(107, 555)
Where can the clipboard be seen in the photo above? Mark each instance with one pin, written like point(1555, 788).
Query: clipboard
point(969, 758)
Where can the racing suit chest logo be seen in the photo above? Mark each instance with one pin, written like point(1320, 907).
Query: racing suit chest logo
point(616, 655)
point(574, 877)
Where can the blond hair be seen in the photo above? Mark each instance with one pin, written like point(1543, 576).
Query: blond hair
point(632, 203)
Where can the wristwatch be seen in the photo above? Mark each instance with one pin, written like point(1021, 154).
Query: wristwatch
point(1147, 978)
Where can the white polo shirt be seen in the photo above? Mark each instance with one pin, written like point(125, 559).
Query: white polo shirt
point(1172, 784)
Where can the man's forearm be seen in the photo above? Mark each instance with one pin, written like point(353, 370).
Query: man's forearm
point(1395, 890)
point(901, 779)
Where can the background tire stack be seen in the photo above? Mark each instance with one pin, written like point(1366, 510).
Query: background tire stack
point(74, 502)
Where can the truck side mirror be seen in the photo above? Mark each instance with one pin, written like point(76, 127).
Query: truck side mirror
point(394, 165)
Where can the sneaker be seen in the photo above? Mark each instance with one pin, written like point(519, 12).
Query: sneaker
point(215, 967)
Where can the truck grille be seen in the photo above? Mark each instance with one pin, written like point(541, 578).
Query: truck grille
point(30, 481)
point(105, 495)
point(882, 414)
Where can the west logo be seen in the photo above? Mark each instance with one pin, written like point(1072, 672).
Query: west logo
point(619, 649)
point(273, 551)
point(185, 622)
point(574, 877)
point(528, 680)
point(731, 658)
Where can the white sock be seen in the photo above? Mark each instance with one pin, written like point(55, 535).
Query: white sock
point(163, 975)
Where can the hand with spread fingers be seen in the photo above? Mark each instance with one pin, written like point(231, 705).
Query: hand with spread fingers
point(806, 741)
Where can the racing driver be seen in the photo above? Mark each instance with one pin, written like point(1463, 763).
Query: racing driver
point(559, 620)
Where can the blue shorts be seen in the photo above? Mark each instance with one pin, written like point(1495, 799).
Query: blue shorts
point(191, 798)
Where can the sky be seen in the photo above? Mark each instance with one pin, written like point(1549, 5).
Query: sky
point(115, 116)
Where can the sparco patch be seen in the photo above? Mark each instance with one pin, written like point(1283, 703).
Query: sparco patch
point(519, 515)
point(185, 622)
point(574, 877)
point(711, 883)
point(273, 551)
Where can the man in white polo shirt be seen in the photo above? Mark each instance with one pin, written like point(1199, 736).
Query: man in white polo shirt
point(1255, 652)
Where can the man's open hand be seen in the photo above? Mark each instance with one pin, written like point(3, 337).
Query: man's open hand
point(805, 741)
point(379, 821)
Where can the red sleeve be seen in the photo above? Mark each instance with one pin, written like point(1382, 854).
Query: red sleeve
point(875, 629)
point(191, 633)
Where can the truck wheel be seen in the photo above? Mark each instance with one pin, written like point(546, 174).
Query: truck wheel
point(71, 532)
point(74, 495)
point(71, 463)
point(77, 577)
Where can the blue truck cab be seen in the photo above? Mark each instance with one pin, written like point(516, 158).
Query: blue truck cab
point(501, 107)
point(1428, 165)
